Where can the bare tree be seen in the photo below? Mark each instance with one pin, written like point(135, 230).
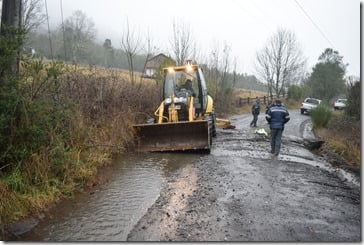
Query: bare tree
point(32, 14)
point(149, 49)
point(219, 65)
point(234, 71)
point(182, 44)
point(280, 62)
point(225, 65)
point(79, 33)
point(131, 46)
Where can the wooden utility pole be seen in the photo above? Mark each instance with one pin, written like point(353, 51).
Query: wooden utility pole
point(10, 18)
point(11, 14)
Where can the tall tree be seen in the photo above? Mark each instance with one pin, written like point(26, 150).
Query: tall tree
point(327, 78)
point(32, 14)
point(131, 46)
point(108, 52)
point(280, 62)
point(79, 35)
point(149, 49)
point(353, 108)
point(182, 43)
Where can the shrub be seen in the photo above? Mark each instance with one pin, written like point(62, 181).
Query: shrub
point(295, 92)
point(321, 115)
point(353, 107)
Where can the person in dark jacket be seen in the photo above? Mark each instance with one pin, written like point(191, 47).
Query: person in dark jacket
point(255, 112)
point(277, 117)
point(188, 86)
point(269, 105)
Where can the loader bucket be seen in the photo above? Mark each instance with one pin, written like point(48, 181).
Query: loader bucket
point(178, 136)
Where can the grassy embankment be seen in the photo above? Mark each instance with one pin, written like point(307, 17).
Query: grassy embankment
point(340, 133)
point(64, 123)
point(343, 136)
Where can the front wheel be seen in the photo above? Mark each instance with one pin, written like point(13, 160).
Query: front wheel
point(213, 128)
point(302, 111)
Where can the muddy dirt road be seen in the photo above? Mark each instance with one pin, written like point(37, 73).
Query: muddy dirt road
point(239, 192)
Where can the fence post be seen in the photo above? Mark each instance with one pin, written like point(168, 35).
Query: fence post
point(248, 100)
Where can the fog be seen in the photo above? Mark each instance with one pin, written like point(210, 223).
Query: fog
point(244, 25)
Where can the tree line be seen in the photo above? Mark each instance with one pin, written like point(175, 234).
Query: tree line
point(282, 65)
point(75, 41)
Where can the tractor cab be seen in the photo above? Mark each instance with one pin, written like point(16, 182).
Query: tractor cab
point(184, 84)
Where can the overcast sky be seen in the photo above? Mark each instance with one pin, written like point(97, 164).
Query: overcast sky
point(246, 25)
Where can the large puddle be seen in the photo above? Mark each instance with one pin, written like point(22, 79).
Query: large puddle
point(109, 212)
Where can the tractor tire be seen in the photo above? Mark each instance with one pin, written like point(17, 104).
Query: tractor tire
point(213, 128)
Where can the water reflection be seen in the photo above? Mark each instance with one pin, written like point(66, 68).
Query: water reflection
point(110, 212)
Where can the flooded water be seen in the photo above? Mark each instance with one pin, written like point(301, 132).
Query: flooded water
point(109, 212)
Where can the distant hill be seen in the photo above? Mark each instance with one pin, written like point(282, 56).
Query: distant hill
point(250, 82)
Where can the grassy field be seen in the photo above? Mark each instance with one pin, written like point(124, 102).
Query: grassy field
point(243, 93)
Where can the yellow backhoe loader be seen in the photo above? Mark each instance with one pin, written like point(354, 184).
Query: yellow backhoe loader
point(185, 120)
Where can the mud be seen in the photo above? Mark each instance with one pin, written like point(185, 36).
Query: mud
point(241, 193)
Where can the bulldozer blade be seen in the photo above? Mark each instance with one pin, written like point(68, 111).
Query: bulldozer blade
point(177, 136)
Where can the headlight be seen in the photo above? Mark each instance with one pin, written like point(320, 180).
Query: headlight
point(180, 100)
point(189, 67)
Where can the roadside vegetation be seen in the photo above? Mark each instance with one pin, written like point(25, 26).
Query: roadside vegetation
point(340, 130)
point(58, 126)
point(321, 116)
point(342, 133)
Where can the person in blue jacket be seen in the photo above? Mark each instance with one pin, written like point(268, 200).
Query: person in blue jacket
point(277, 116)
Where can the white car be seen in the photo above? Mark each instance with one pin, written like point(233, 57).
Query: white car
point(308, 104)
point(340, 104)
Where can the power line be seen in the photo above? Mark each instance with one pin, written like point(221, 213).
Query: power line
point(322, 33)
point(64, 39)
point(252, 15)
point(313, 22)
point(49, 30)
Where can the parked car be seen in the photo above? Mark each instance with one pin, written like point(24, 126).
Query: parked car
point(308, 104)
point(340, 104)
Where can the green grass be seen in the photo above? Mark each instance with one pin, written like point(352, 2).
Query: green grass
point(321, 116)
